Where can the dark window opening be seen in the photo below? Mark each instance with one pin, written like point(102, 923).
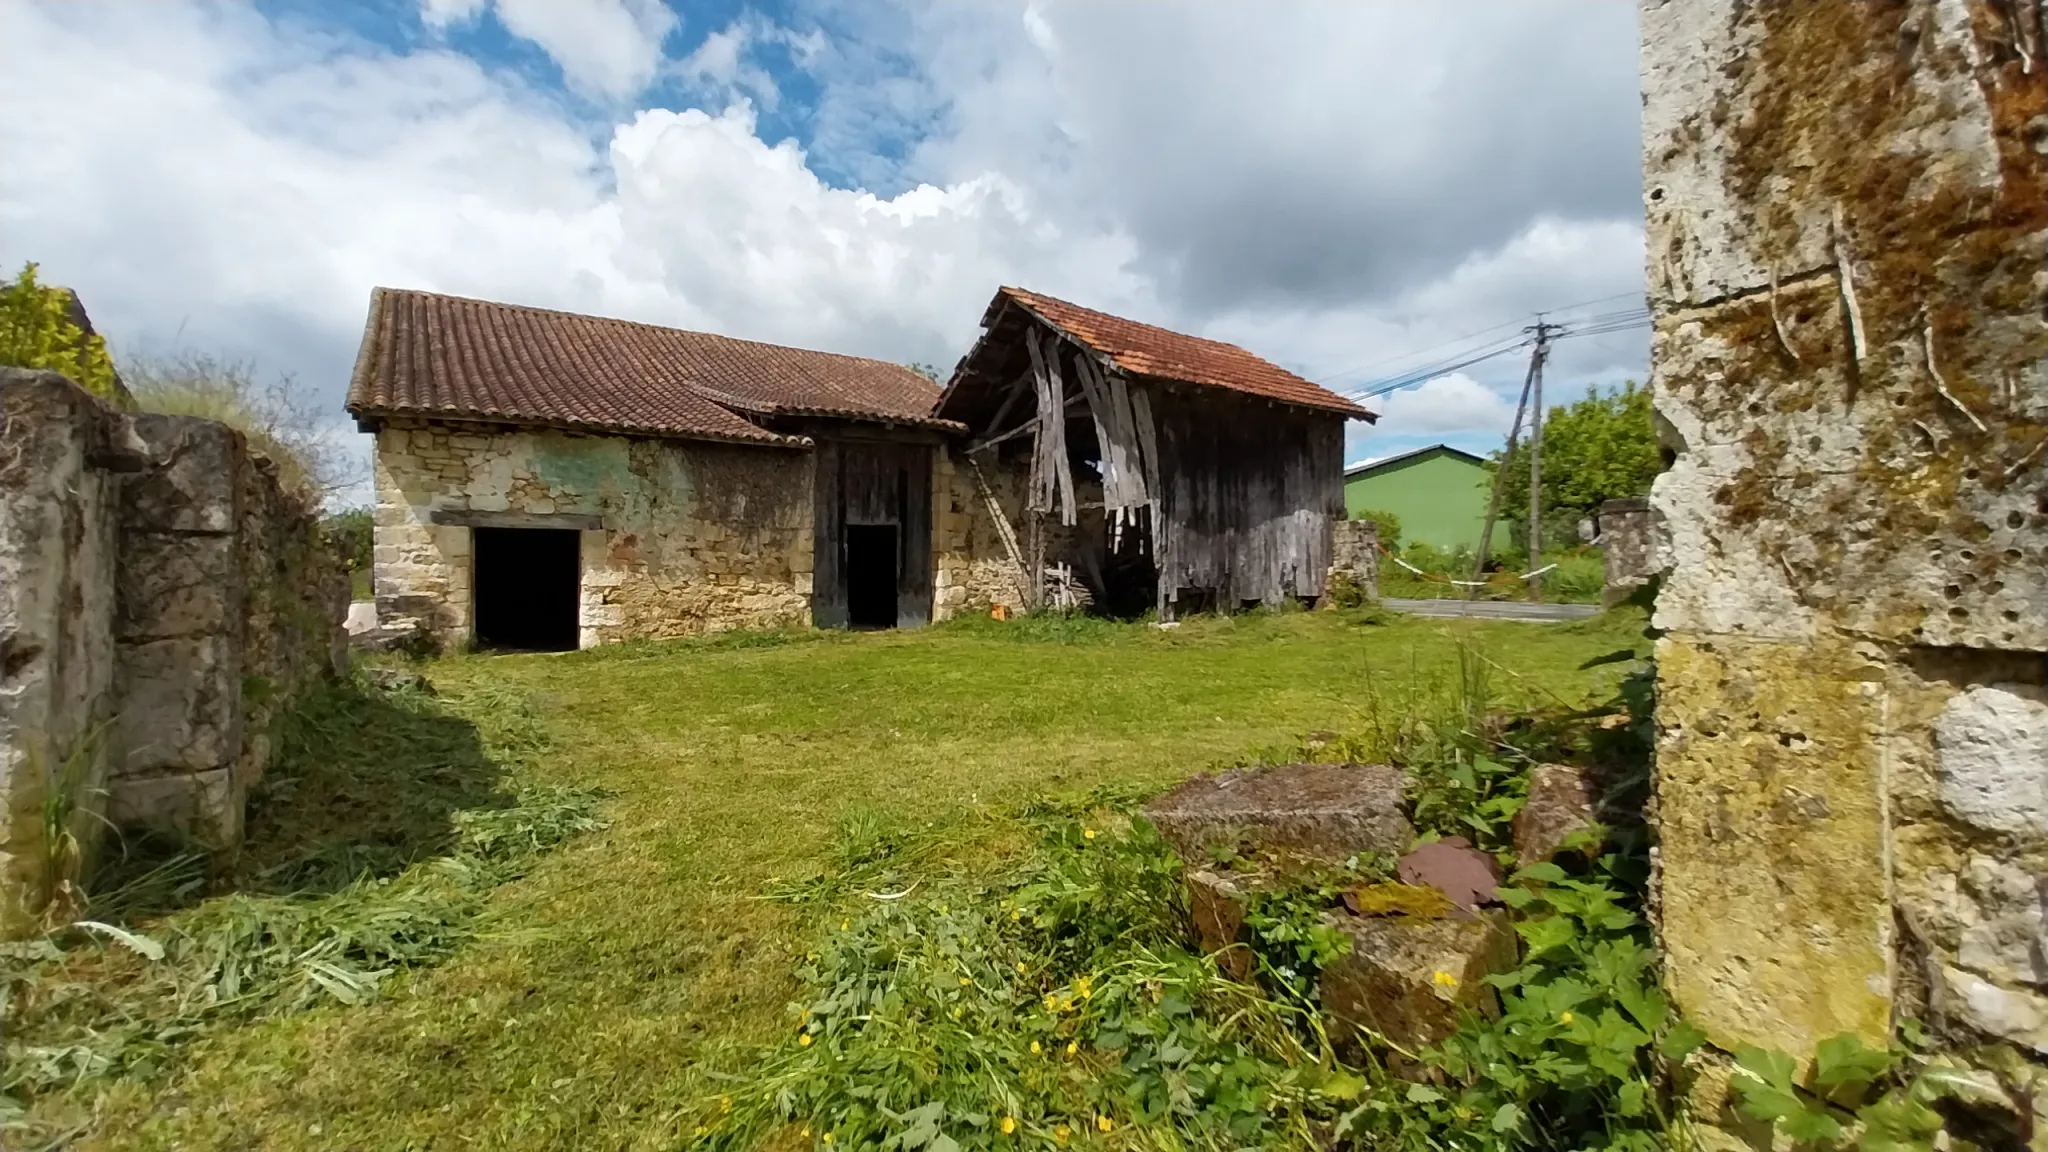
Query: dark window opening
point(525, 588)
point(871, 567)
point(1130, 577)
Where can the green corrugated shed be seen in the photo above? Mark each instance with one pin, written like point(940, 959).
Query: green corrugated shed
point(1439, 493)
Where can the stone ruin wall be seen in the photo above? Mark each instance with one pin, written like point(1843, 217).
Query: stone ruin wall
point(695, 536)
point(1355, 554)
point(1847, 224)
point(1632, 547)
point(974, 569)
point(162, 601)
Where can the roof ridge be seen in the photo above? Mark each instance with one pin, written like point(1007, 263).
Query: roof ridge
point(535, 308)
point(1175, 332)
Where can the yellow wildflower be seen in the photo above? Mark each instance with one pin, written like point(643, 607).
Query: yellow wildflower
point(804, 1041)
point(1061, 1133)
point(1104, 1123)
point(725, 1103)
point(1084, 986)
point(1445, 979)
point(845, 925)
point(966, 983)
point(828, 1137)
point(806, 1131)
point(1020, 967)
point(1090, 833)
point(1073, 1046)
point(1016, 913)
point(1566, 1019)
point(1052, 1002)
point(1009, 1125)
point(1034, 1048)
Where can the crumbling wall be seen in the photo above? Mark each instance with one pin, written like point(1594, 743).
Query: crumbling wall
point(228, 605)
point(1847, 221)
point(61, 453)
point(679, 537)
point(1355, 555)
point(162, 599)
point(978, 527)
point(1631, 547)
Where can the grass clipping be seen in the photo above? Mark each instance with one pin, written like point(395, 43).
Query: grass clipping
point(104, 1000)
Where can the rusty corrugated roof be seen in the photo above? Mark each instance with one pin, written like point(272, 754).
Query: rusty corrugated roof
point(1149, 350)
point(425, 354)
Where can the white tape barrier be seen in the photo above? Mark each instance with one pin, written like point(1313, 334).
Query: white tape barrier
point(1463, 583)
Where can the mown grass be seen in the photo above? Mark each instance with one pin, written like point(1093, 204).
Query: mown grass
point(599, 991)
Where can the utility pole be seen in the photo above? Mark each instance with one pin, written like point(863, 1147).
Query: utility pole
point(1543, 332)
point(1499, 481)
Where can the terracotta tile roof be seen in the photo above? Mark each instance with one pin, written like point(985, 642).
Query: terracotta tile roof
point(424, 354)
point(1152, 351)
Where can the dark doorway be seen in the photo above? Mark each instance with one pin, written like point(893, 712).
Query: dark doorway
point(525, 588)
point(871, 575)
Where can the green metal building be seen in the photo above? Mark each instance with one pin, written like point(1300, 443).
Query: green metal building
point(1438, 492)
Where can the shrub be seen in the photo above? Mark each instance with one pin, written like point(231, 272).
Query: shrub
point(37, 330)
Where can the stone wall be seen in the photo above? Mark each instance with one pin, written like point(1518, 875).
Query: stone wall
point(1848, 215)
point(61, 455)
point(1631, 544)
point(161, 601)
point(1355, 554)
point(975, 568)
point(228, 604)
point(679, 537)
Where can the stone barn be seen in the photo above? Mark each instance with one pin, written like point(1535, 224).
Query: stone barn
point(552, 481)
point(1134, 467)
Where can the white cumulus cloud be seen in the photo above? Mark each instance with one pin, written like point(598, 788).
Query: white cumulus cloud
point(1446, 404)
point(605, 47)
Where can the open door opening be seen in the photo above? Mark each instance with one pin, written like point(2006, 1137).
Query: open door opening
point(871, 569)
point(525, 588)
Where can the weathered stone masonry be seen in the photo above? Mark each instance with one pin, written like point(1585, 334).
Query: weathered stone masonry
point(679, 536)
point(162, 599)
point(1848, 217)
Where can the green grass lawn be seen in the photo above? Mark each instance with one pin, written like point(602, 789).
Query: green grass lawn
point(606, 986)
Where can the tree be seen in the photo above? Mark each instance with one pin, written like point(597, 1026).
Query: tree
point(923, 369)
point(277, 419)
point(38, 330)
point(1597, 449)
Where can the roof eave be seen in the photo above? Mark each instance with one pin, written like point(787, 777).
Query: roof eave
point(639, 432)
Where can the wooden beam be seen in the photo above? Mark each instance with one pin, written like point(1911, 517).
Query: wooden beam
point(464, 518)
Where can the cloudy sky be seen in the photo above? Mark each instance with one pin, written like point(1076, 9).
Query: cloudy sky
point(1345, 188)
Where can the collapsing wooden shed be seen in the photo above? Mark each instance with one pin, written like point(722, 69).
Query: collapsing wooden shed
point(1156, 469)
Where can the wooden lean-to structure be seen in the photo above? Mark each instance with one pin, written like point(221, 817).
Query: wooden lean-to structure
point(1159, 470)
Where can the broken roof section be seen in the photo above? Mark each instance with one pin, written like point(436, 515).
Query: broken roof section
point(448, 357)
point(1139, 349)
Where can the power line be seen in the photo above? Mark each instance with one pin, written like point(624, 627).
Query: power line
point(1517, 322)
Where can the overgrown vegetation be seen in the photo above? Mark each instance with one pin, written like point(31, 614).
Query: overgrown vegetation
point(350, 534)
point(1058, 1002)
point(766, 783)
point(38, 330)
point(281, 420)
point(373, 844)
point(1386, 524)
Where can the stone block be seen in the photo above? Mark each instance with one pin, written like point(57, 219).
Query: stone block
point(180, 705)
point(1217, 902)
point(192, 483)
point(203, 805)
point(2005, 931)
point(2020, 1017)
point(1992, 743)
point(1563, 799)
point(1768, 817)
point(1407, 979)
point(177, 584)
point(1319, 811)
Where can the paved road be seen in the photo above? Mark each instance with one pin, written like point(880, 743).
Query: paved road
point(1495, 609)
